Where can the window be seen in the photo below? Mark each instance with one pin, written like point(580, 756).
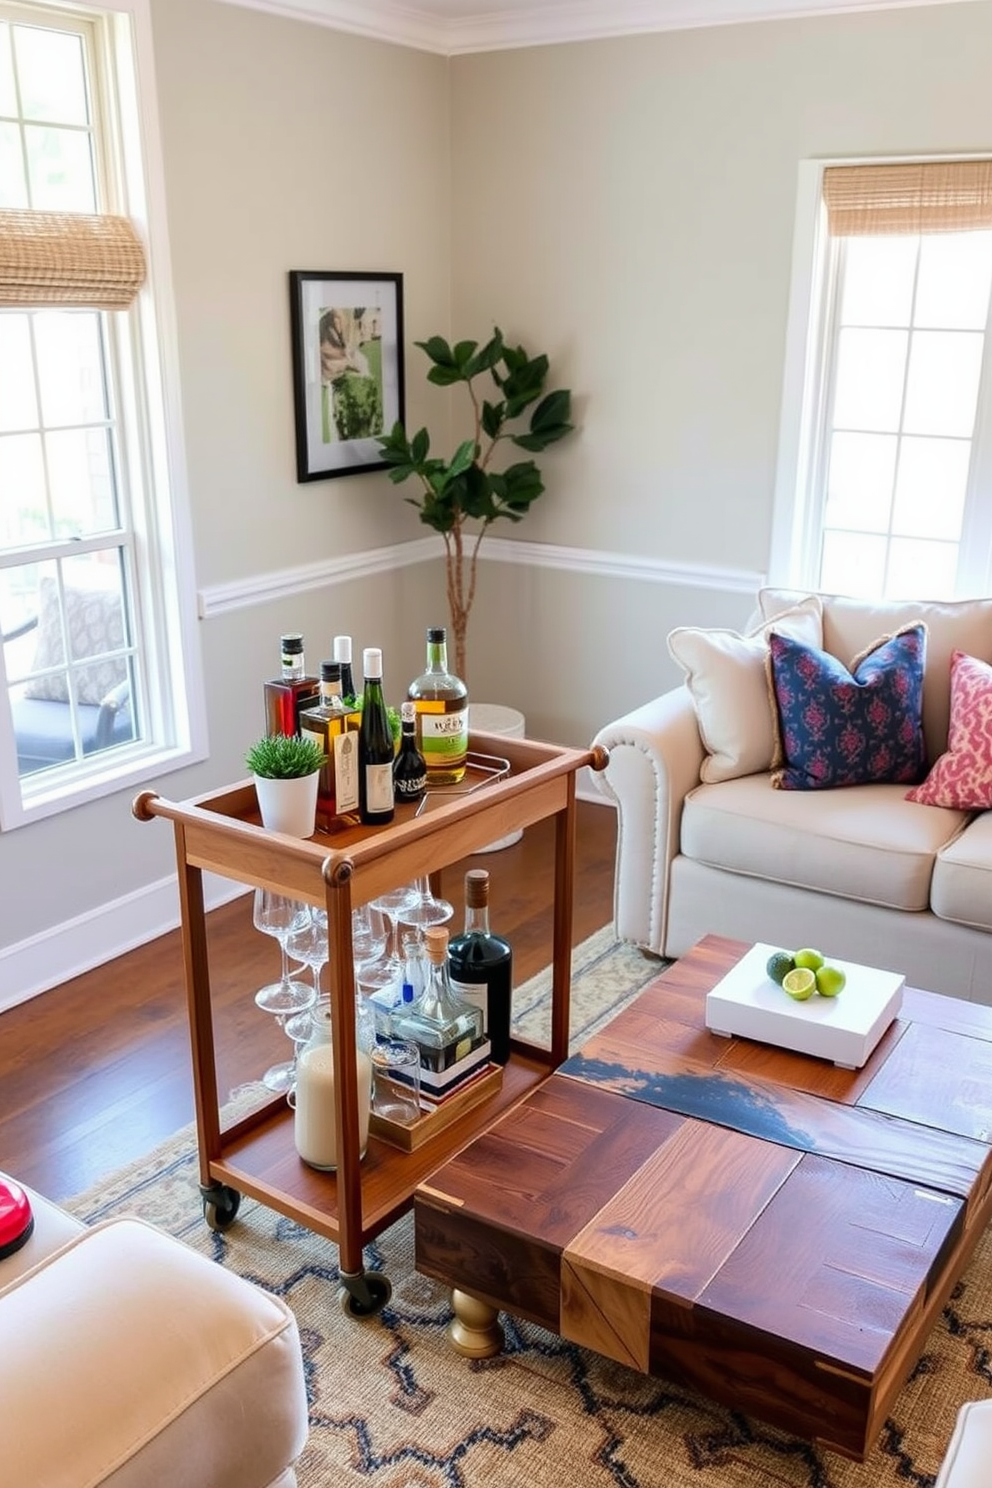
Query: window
point(100, 681)
point(885, 470)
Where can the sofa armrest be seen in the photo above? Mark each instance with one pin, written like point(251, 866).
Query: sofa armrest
point(655, 758)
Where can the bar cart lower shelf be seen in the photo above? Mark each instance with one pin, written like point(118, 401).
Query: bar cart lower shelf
point(256, 1156)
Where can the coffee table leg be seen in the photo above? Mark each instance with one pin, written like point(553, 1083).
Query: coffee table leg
point(475, 1330)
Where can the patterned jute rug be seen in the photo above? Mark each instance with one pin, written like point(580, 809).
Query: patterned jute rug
point(392, 1406)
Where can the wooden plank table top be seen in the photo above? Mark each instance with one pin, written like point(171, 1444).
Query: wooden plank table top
point(774, 1230)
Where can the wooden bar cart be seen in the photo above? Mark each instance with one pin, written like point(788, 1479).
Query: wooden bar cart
point(256, 1155)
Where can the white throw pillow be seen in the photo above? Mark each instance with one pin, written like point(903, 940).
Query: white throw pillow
point(725, 675)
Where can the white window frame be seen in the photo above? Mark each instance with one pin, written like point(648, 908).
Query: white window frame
point(173, 723)
point(797, 509)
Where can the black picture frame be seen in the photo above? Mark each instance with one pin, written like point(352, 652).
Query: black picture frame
point(347, 344)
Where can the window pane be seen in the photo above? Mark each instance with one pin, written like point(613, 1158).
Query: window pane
point(19, 616)
point(50, 69)
point(870, 370)
point(955, 276)
point(878, 281)
point(60, 170)
point(859, 482)
point(18, 407)
point(931, 488)
point(852, 564)
point(8, 97)
point(80, 475)
point(23, 511)
point(70, 367)
point(942, 385)
point(13, 186)
point(921, 570)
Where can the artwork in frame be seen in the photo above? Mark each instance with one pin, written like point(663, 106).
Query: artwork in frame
point(347, 337)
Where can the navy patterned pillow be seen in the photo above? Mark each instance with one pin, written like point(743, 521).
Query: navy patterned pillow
point(839, 727)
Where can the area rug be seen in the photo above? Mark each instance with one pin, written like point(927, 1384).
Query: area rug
point(392, 1406)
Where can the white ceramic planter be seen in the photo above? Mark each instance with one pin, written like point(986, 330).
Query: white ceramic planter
point(289, 806)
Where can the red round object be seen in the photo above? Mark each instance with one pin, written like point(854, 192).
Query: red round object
point(16, 1219)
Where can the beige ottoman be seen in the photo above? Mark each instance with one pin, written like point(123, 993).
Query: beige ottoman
point(131, 1361)
point(968, 1463)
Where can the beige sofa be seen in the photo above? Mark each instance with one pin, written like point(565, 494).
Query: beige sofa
point(132, 1362)
point(707, 845)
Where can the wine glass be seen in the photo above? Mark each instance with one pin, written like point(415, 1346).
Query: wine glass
point(307, 942)
point(369, 933)
point(427, 910)
point(279, 916)
point(393, 905)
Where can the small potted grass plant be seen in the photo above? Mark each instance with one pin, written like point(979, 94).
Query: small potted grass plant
point(286, 769)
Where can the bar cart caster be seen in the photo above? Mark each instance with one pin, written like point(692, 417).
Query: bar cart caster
point(363, 1293)
point(220, 1205)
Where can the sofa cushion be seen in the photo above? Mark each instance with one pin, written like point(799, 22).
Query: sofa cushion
point(94, 620)
point(962, 777)
point(962, 876)
point(849, 625)
point(725, 675)
point(864, 842)
point(836, 727)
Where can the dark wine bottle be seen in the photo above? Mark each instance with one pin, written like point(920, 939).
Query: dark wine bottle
point(375, 747)
point(342, 653)
point(481, 965)
point(409, 768)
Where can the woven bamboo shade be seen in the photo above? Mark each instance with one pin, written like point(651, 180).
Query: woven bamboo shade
point(60, 259)
point(925, 197)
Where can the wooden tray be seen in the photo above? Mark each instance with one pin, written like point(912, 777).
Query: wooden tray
point(436, 1118)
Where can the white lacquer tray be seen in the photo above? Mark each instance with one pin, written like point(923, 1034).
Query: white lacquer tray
point(844, 1029)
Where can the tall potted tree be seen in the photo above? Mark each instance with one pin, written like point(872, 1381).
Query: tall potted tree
point(467, 489)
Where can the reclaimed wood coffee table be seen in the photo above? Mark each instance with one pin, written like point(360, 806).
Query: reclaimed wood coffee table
point(776, 1231)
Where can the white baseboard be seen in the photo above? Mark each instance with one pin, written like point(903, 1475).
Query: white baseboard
point(65, 951)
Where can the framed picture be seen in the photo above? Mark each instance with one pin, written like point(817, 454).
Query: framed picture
point(347, 332)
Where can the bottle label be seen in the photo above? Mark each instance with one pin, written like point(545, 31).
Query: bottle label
point(477, 993)
point(346, 772)
point(409, 788)
point(379, 787)
point(442, 735)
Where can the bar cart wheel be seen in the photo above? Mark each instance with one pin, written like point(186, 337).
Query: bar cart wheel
point(220, 1205)
point(364, 1294)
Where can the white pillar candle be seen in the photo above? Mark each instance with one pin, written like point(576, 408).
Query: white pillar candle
point(316, 1125)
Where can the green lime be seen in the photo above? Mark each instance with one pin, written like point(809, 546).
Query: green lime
point(830, 980)
point(812, 960)
point(800, 983)
point(778, 966)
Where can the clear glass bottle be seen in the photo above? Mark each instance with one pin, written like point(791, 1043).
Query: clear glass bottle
point(315, 1128)
point(441, 700)
point(335, 729)
point(409, 766)
point(480, 965)
point(341, 651)
point(444, 1027)
point(286, 696)
point(375, 747)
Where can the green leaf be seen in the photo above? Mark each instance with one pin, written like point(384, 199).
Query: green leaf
point(493, 415)
point(420, 446)
point(463, 354)
point(445, 376)
point(549, 422)
point(523, 485)
point(438, 350)
point(487, 358)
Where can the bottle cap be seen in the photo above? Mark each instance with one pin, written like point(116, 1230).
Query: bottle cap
point(372, 661)
point(330, 671)
point(436, 942)
point(408, 712)
point(342, 648)
point(477, 888)
point(436, 634)
point(293, 643)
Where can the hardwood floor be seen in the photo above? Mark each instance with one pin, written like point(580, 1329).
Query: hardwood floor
point(96, 1072)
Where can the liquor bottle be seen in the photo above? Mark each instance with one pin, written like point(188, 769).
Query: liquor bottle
point(287, 696)
point(375, 747)
point(342, 653)
point(441, 700)
point(409, 767)
point(444, 1027)
point(480, 965)
point(335, 729)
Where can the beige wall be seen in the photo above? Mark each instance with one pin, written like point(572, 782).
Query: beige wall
point(626, 206)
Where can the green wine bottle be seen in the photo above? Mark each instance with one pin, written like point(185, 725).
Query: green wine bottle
point(375, 747)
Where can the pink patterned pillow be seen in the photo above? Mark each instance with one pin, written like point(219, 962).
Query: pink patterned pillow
point(962, 777)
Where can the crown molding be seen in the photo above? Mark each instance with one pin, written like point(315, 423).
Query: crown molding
point(430, 27)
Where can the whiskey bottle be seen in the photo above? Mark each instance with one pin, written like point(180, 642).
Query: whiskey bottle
point(342, 653)
point(335, 729)
point(444, 1027)
point(375, 747)
point(409, 768)
point(480, 965)
point(286, 696)
point(441, 700)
